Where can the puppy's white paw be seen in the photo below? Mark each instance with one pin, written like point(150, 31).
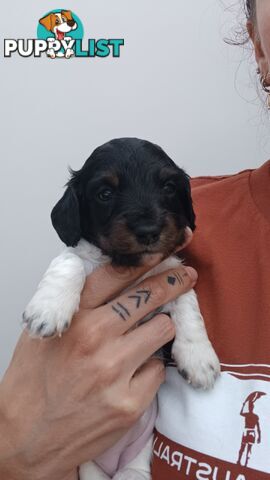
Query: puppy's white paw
point(51, 53)
point(57, 297)
point(69, 53)
point(197, 362)
point(48, 318)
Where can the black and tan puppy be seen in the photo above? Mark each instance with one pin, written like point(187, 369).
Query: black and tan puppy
point(127, 201)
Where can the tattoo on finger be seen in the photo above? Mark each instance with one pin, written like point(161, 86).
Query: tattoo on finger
point(140, 297)
point(176, 277)
point(121, 310)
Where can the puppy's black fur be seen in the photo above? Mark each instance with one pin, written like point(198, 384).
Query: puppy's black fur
point(129, 199)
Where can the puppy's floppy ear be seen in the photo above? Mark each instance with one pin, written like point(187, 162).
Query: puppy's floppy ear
point(46, 22)
point(67, 14)
point(187, 202)
point(65, 218)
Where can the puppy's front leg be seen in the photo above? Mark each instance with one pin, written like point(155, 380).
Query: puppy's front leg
point(51, 53)
point(57, 298)
point(140, 467)
point(69, 53)
point(192, 350)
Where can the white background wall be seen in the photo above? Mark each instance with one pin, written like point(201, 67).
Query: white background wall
point(176, 83)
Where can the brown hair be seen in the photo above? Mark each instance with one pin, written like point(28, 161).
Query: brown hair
point(251, 9)
point(240, 35)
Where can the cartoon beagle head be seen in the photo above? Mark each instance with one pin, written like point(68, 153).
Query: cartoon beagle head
point(59, 23)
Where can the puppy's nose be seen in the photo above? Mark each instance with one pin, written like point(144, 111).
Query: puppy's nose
point(70, 23)
point(147, 234)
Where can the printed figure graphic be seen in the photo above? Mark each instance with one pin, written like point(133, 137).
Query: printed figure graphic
point(59, 24)
point(252, 430)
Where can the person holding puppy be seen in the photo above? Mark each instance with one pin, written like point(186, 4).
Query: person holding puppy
point(211, 434)
point(198, 434)
point(64, 401)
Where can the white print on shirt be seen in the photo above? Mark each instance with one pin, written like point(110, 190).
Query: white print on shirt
point(192, 467)
point(229, 423)
point(252, 430)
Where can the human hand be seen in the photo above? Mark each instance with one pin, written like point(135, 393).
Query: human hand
point(65, 401)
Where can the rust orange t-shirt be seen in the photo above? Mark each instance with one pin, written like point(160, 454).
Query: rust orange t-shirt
point(224, 434)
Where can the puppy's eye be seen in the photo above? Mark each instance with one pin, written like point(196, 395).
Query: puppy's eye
point(105, 195)
point(57, 21)
point(64, 19)
point(169, 187)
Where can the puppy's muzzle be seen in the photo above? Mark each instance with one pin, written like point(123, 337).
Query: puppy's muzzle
point(71, 23)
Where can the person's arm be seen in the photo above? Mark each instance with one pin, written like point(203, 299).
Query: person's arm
point(63, 401)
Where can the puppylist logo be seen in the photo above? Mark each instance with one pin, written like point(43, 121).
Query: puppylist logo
point(60, 35)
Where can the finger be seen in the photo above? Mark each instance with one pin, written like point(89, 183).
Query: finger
point(141, 343)
point(146, 382)
point(125, 311)
point(188, 238)
point(106, 282)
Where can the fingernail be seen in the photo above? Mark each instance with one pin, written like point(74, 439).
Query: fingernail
point(188, 232)
point(192, 273)
point(188, 236)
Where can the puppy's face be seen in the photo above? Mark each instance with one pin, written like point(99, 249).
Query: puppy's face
point(129, 199)
point(59, 23)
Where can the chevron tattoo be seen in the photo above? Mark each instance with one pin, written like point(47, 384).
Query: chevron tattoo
point(140, 297)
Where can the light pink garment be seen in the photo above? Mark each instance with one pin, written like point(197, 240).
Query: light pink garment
point(124, 451)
